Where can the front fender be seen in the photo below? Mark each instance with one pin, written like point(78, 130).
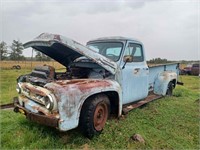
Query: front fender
point(162, 81)
point(71, 95)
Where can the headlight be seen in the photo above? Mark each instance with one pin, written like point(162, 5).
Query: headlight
point(48, 101)
point(18, 88)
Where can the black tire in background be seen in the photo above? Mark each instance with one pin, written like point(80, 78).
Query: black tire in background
point(14, 67)
point(18, 67)
point(94, 114)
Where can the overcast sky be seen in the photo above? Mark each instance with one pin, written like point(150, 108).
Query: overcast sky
point(168, 29)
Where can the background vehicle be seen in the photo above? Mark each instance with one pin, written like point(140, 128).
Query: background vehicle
point(186, 70)
point(109, 76)
point(195, 69)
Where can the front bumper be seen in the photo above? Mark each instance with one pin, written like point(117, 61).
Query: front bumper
point(35, 117)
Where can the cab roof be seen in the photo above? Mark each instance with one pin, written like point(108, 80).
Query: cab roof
point(114, 38)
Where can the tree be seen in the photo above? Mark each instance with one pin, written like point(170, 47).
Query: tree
point(41, 57)
point(3, 50)
point(38, 56)
point(16, 50)
point(158, 61)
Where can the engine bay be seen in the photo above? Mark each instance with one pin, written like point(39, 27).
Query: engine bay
point(41, 75)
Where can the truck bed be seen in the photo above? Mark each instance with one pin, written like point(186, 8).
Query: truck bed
point(155, 70)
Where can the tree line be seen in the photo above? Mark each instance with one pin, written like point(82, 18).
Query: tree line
point(158, 61)
point(14, 52)
point(164, 61)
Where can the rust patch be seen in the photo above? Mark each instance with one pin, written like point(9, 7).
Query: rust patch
point(51, 71)
point(84, 84)
point(93, 84)
point(46, 112)
point(42, 119)
point(150, 98)
point(34, 90)
point(41, 110)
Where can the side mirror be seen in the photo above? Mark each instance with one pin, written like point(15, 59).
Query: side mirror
point(128, 58)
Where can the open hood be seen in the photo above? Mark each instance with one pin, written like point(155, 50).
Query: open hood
point(65, 50)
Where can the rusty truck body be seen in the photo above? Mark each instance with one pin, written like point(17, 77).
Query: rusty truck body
point(107, 76)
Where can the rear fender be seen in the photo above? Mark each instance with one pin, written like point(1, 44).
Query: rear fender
point(162, 81)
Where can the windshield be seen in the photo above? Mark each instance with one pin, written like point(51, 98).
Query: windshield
point(111, 50)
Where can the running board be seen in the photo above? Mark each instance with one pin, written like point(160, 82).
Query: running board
point(148, 99)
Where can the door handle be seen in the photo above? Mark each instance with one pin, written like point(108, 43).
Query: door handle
point(137, 69)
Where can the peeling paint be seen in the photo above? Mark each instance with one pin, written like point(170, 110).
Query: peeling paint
point(78, 91)
point(57, 99)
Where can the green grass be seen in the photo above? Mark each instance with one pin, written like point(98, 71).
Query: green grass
point(8, 84)
point(167, 123)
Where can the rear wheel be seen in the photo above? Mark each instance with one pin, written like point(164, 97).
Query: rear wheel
point(170, 89)
point(94, 114)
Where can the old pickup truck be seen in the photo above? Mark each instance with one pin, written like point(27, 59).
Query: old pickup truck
point(108, 76)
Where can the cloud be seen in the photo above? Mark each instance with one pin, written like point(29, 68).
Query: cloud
point(168, 29)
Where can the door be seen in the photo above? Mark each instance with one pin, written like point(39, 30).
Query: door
point(134, 74)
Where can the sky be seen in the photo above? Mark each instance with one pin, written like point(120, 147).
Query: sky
point(168, 28)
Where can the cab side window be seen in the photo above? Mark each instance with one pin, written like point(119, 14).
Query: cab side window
point(136, 51)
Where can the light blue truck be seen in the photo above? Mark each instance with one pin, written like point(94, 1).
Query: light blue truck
point(109, 76)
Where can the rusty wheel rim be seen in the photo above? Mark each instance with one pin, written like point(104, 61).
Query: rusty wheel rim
point(100, 116)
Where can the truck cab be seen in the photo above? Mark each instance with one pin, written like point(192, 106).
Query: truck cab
point(107, 76)
point(133, 71)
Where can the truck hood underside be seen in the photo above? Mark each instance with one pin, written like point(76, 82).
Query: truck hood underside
point(65, 50)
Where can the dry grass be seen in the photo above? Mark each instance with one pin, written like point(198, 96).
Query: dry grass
point(32, 64)
point(28, 64)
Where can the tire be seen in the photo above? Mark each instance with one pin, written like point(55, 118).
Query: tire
point(94, 114)
point(14, 67)
point(170, 88)
point(18, 67)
